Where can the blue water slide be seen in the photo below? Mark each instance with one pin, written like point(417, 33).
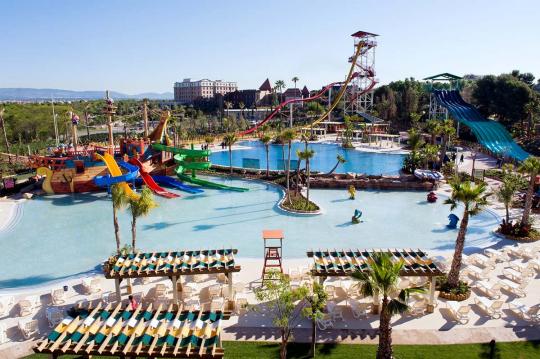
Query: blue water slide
point(108, 180)
point(490, 134)
point(171, 182)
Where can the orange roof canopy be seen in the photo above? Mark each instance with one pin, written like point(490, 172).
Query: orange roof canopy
point(272, 234)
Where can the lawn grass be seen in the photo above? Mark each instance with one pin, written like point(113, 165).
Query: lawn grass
point(263, 350)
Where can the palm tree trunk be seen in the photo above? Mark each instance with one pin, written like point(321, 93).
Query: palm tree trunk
point(288, 165)
point(507, 213)
point(384, 351)
point(283, 347)
point(267, 161)
point(116, 230)
point(528, 200)
point(313, 338)
point(133, 233)
point(5, 134)
point(453, 275)
point(333, 169)
point(308, 170)
point(230, 160)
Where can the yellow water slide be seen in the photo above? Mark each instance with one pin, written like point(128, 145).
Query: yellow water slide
point(341, 92)
point(115, 171)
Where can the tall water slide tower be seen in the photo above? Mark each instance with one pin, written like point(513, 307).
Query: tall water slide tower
point(359, 97)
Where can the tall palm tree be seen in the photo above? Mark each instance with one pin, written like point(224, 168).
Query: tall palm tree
point(241, 106)
point(287, 136)
point(295, 80)
point(530, 167)
point(381, 280)
point(229, 140)
point(3, 124)
point(447, 131)
point(119, 201)
point(474, 198)
point(433, 128)
point(306, 155)
point(280, 85)
point(506, 192)
point(265, 139)
point(430, 153)
point(340, 159)
point(140, 207)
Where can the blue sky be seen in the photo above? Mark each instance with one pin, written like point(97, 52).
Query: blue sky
point(141, 46)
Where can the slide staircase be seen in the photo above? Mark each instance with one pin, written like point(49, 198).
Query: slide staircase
point(490, 134)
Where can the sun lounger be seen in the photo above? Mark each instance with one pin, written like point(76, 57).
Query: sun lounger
point(160, 291)
point(330, 291)
point(214, 291)
point(526, 269)
point(334, 311)
point(358, 309)
point(535, 264)
point(54, 316)
point(496, 255)
point(481, 260)
point(198, 278)
point(417, 307)
point(28, 305)
point(459, 311)
point(513, 287)
point(241, 302)
point(528, 313)
point(325, 323)
point(513, 275)
point(6, 303)
point(492, 290)
point(475, 272)
point(217, 304)
point(3, 335)
point(28, 327)
point(192, 304)
point(524, 252)
point(91, 285)
point(58, 296)
point(491, 307)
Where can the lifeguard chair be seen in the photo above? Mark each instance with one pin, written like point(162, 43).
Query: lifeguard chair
point(273, 244)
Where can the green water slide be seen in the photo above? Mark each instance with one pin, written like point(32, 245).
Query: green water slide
point(193, 160)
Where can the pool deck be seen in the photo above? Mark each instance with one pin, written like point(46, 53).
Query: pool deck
point(438, 327)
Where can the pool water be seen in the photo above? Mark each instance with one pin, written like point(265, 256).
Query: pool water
point(324, 159)
point(61, 236)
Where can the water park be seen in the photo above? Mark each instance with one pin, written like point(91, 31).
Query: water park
point(331, 226)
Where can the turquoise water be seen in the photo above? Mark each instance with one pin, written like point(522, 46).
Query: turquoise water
point(324, 159)
point(60, 236)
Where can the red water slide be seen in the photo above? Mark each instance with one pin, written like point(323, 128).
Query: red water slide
point(149, 181)
point(285, 103)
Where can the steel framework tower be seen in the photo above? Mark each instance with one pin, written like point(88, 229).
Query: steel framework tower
point(360, 92)
point(443, 81)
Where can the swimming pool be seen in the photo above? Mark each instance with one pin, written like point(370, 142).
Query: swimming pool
point(60, 236)
point(324, 159)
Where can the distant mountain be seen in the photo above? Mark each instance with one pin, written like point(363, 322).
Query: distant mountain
point(31, 94)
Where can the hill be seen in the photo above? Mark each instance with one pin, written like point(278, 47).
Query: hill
point(33, 94)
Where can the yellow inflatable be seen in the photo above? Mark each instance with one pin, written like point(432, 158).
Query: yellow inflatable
point(44, 171)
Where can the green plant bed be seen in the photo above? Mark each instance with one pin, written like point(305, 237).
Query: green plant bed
point(298, 203)
point(460, 293)
point(533, 236)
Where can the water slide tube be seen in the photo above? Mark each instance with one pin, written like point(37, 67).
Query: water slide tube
point(171, 182)
point(116, 175)
point(193, 160)
point(149, 181)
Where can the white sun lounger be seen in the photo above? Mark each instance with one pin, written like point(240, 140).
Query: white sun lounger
point(513, 274)
point(475, 272)
point(460, 311)
point(526, 312)
point(6, 303)
point(482, 260)
point(28, 327)
point(492, 290)
point(535, 264)
point(58, 296)
point(496, 255)
point(325, 323)
point(418, 307)
point(358, 309)
point(491, 307)
point(91, 285)
point(28, 305)
point(526, 269)
point(3, 335)
point(54, 316)
point(513, 287)
point(335, 312)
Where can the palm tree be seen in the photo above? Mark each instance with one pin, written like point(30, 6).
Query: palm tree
point(265, 139)
point(288, 136)
point(280, 85)
point(306, 155)
point(340, 160)
point(430, 153)
point(530, 167)
point(229, 140)
point(241, 106)
point(227, 105)
point(139, 207)
point(447, 131)
point(3, 124)
point(433, 128)
point(119, 201)
point(382, 280)
point(474, 198)
point(295, 80)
